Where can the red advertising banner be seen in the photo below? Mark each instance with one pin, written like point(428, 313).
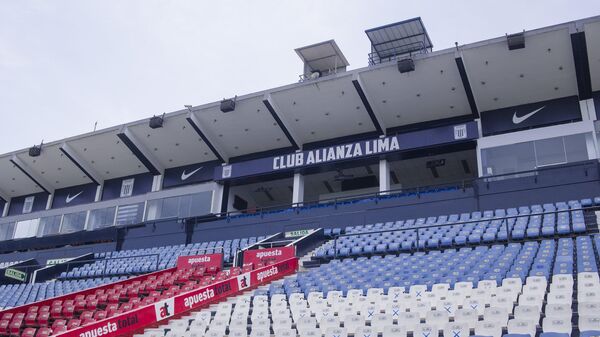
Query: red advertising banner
point(207, 261)
point(269, 255)
point(140, 318)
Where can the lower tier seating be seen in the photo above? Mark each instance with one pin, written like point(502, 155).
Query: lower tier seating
point(548, 289)
point(78, 309)
point(13, 295)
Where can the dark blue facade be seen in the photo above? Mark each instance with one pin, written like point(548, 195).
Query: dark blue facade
point(39, 203)
point(189, 174)
point(531, 115)
point(141, 185)
point(560, 183)
point(75, 195)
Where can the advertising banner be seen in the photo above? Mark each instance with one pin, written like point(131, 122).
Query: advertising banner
point(531, 115)
point(206, 261)
point(269, 255)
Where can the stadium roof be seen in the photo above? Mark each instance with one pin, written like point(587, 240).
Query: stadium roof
point(463, 81)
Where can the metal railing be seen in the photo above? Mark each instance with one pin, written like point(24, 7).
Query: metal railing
point(398, 53)
point(381, 195)
point(504, 219)
point(416, 191)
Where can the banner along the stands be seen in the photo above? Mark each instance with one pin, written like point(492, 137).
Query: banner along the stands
point(269, 255)
point(205, 260)
point(142, 317)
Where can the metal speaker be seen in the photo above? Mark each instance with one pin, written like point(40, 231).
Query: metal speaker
point(406, 65)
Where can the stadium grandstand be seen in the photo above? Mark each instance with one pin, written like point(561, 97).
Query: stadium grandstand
point(431, 193)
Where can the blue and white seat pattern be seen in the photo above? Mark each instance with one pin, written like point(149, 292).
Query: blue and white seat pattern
point(522, 288)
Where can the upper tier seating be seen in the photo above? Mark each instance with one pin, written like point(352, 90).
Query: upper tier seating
point(136, 261)
point(548, 289)
point(459, 229)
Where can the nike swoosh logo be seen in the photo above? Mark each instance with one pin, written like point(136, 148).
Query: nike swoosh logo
point(185, 175)
point(70, 198)
point(518, 120)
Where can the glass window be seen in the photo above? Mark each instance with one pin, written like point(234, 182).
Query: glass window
point(26, 228)
point(170, 207)
point(101, 218)
point(576, 147)
point(508, 159)
point(550, 151)
point(179, 207)
point(49, 225)
point(200, 203)
point(528, 156)
point(73, 222)
point(130, 214)
point(6, 231)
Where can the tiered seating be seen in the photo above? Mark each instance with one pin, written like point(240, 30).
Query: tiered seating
point(521, 288)
point(13, 295)
point(78, 309)
point(136, 261)
point(453, 230)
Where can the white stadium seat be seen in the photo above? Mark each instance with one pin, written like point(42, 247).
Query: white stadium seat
point(587, 323)
point(558, 325)
point(588, 308)
point(394, 331)
point(519, 326)
point(426, 330)
point(380, 320)
point(527, 312)
point(365, 331)
point(488, 328)
point(468, 316)
point(497, 315)
point(329, 322)
point(436, 318)
point(336, 332)
point(456, 329)
point(409, 320)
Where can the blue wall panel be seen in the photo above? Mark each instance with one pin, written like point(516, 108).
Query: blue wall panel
point(39, 203)
point(141, 185)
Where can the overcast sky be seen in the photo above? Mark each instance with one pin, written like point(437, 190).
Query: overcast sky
point(66, 64)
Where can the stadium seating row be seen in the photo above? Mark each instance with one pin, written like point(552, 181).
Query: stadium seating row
point(137, 261)
point(13, 295)
point(457, 230)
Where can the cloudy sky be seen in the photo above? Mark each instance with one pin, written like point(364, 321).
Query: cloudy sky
point(65, 65)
